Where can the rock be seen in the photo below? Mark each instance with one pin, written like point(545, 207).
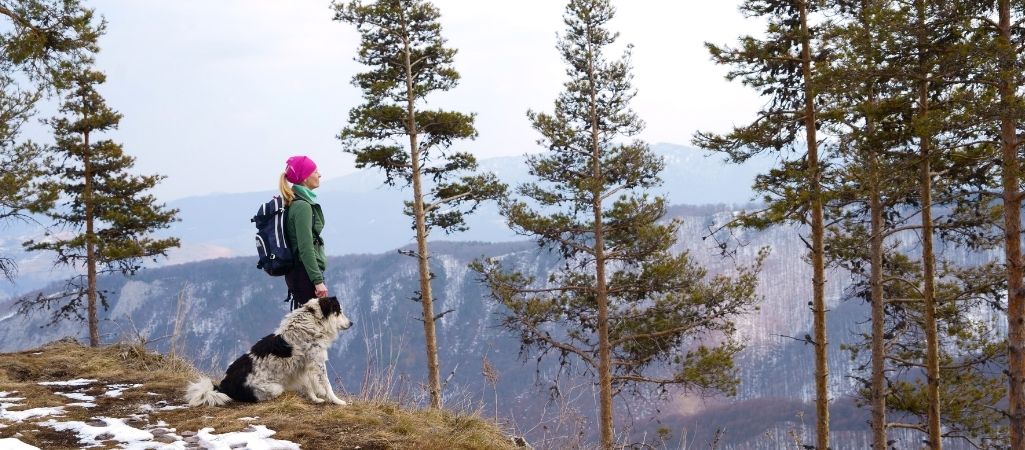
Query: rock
point(96, 423)
point(105, 437)
point(187, 433)
point(166, 439)
point(159, 431)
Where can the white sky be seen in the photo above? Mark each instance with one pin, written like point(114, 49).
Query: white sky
point(216, 94)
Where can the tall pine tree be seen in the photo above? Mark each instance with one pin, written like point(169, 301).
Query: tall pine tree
point(106, 216)
point(40, 34)
point(783, 66)
point(623, 305)
point(402, 45)
point(996, 61)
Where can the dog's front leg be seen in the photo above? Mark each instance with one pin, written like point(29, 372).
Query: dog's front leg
point(309, 386)
point(325, 384)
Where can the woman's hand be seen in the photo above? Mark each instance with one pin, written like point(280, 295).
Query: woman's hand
point(320, 290)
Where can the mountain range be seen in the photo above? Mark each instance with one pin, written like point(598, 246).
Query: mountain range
point(365, 216)
point(210, 303)
point(221, 306)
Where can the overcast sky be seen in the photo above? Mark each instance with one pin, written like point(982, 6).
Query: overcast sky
point(216, 94)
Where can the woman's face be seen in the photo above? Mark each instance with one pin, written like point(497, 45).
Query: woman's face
point(313, 181)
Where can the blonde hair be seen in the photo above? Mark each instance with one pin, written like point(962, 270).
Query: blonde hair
point(286, 190)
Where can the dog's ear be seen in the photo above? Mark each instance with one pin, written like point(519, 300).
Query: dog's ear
point(330, 305)
point(313, 306)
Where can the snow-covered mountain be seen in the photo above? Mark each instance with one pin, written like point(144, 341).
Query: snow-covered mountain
point(227, 304)
point(365, 216)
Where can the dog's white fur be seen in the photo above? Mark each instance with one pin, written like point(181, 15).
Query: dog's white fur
point(309, 333)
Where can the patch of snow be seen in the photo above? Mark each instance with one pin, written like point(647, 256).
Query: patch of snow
point(150, 445)
point(115, 390)
point(12, 314)
point(178, 445)
point(76, 382)
point(115, 429)
point(19, 416)
point(5, 393)
point(83, 404)
point(258, 438)
point(77, 396)
point(249, 419)
point(15, 444)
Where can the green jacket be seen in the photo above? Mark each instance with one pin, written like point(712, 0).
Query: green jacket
point(304, 220)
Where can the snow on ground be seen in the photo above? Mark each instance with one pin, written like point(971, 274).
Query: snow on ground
point(15, 444)
point(20, 416)
point(254, 438)
point(6, 402)
point(112, 430)
point(74, 383)
point(77, 396)
point(115, 390)
point(105, 431)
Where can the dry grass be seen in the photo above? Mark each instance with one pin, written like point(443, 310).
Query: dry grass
point(374, 424)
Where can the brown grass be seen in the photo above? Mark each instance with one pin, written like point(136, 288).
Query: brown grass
point(375, 424)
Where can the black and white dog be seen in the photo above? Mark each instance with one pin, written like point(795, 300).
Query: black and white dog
point(291, 359)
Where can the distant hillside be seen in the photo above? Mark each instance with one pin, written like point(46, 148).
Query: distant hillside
point(365, 216)
point(228, 304)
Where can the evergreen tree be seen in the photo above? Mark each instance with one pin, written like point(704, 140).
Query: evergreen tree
point(41, 34)
point(623, 305)
point(996, 60)
point(402, 45)
point(1009, 82)
point(784, 66)
point(894, 110)
point(104, 211)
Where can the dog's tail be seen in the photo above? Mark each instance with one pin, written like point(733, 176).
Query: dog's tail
point(202, 392)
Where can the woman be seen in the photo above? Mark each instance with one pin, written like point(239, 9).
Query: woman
point(303, 224)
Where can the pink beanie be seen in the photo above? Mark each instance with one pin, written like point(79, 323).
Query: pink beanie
point(298, 168)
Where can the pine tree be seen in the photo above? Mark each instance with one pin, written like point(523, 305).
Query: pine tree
point(996, 61)
point(40, 35)
point(783, 66)
point(622, 305)
point(894, 110)
point(402, 45)
point(105, 213)
point(1011, 115)
point(45, 33)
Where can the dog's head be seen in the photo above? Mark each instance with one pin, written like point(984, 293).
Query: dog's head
point(329, 310)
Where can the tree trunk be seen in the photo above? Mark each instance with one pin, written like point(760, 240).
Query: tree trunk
point(433, 372)
point(817, 232)
point(878, 317)
point(878, 305)
point(90, 243)
point(932, 363)
point(608, 436)
point(1012, 231)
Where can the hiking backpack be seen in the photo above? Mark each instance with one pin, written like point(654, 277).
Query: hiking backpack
point(271, 244)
